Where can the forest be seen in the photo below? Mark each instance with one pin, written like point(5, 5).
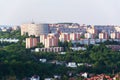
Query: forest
point(17, 62)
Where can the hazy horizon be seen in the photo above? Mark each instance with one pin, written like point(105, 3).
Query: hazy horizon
point(94, 12)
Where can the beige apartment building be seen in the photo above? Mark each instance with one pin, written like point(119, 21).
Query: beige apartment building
point(34, 29)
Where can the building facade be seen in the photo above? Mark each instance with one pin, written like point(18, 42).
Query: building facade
point(50, 40)
point(31, 42)
point(34, 29)
point(103, 35)
point(75, 36)
point(64, 37)
point(115, 35)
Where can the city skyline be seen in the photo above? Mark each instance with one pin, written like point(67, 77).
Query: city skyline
point(102, 12)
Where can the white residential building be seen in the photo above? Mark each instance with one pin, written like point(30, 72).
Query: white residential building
point(88, 35)
point(72, 65)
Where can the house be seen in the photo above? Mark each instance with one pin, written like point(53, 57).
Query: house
point(48, 79)
point(42, 60)
point(100, 77)
point(116, 77)
point(62, 53)
point(57, 77)
point(51, 49)
point(114, 47)
point(9, 40)
point(72, 65)
point(85, 75)
point(60, 62)
point(80, 64)
point(35, 77)
point(92, 41)
point(77, 48)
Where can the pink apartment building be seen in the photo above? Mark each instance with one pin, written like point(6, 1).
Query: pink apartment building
point(103, 35)
point(31, 42)
point(42, 38)
point(75, 36)
point(115, 35)
point(69, 36)
point(50, 40)
point(64, 37)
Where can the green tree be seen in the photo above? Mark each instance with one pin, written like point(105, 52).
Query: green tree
point(82, 36)
point(40, 45)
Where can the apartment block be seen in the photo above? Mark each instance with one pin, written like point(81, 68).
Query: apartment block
point(34, 29)
point(31, 42)
point(64, 37)
point(115, 35)
point(103, 35)
point(50, 40)
point(42, 38)
point(75, 36)
point(88, 35)
point(92, 30)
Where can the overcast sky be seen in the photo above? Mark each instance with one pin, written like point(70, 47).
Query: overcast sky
point(52, 11)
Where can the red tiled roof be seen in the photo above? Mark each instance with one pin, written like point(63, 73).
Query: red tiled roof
point(101, 76)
